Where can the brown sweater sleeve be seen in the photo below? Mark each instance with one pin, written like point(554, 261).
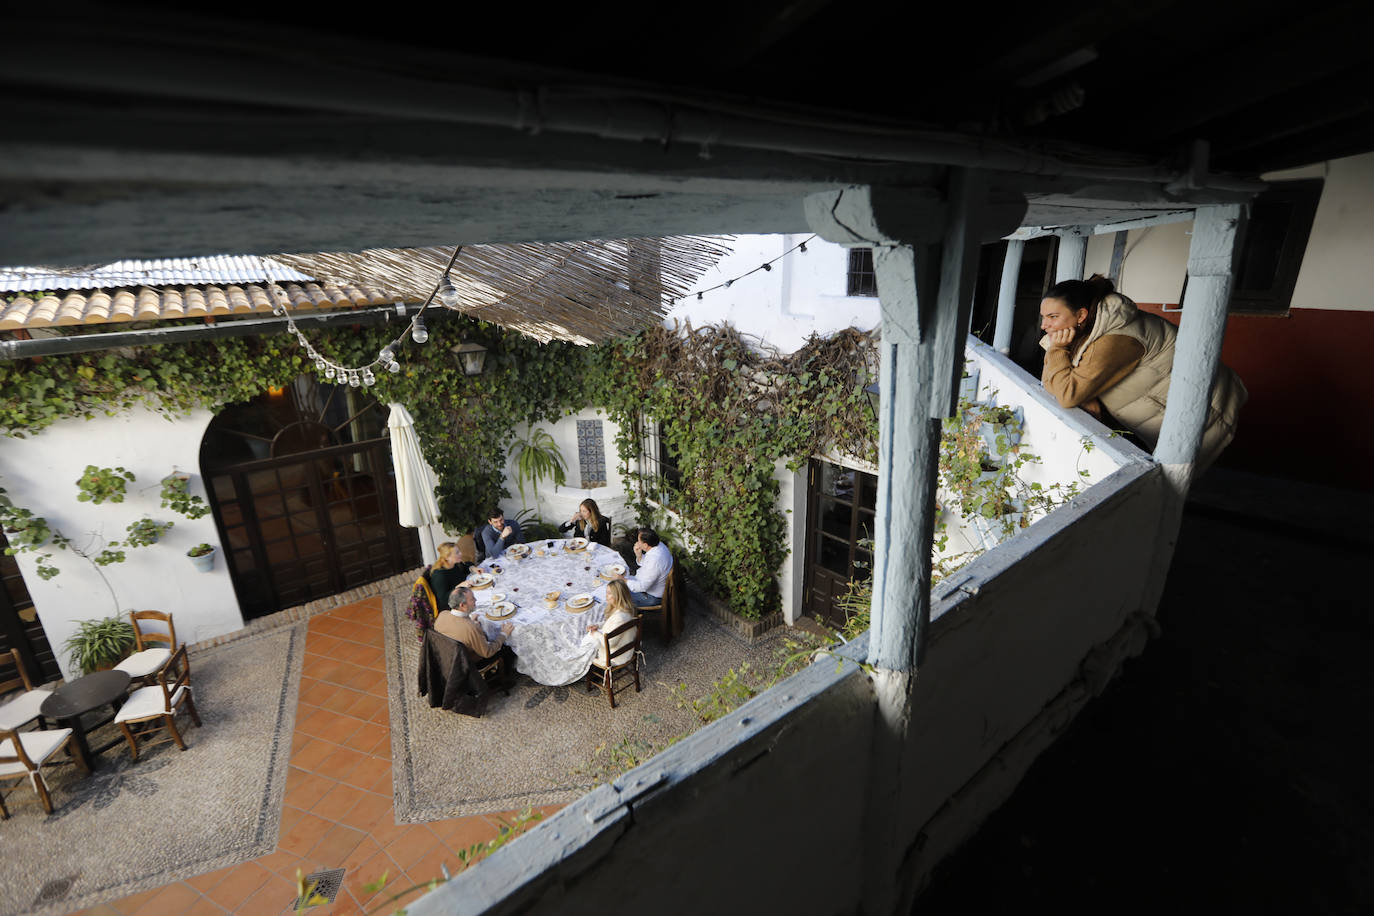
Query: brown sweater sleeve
point(1105, 362)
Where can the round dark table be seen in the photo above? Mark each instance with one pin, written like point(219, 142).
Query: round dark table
point(70, 702)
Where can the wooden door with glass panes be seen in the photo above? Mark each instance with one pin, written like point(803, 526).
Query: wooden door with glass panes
point(839, 530)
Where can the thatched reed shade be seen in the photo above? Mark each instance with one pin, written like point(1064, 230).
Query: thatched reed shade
point(165, 303)
point(583, 292)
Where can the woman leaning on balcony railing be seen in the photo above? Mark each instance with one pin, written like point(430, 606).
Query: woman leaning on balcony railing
point(1105, 355)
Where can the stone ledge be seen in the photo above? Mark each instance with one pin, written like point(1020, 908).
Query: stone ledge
point(294, 615)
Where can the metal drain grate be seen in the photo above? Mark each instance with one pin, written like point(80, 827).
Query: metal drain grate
point(327, 883)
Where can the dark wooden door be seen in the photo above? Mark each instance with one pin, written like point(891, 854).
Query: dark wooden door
point(839, 533)
point(20, 627)
point(311, 524)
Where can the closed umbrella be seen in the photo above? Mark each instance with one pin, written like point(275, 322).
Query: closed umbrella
point(415, 482)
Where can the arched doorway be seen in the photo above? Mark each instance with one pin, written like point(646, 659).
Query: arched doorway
point(303, 490)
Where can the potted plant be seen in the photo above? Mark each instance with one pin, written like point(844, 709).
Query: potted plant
point(536, 459)
point(1000, 428)
point(202, 556)
point(145, 531)
point(99, 485)
point(100, 644)
point(176, 495)
point(24, 530)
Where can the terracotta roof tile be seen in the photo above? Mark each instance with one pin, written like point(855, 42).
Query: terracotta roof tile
point(148, 304)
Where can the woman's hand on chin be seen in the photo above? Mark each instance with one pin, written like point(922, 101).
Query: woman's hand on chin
point(1061, 338)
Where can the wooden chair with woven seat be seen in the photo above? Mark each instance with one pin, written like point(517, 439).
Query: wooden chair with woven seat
point(669, 609)
point(23, 707)
point(495, 670)
point(155, 707)
point(610, 662)
point(149, 659)
point(23, 756)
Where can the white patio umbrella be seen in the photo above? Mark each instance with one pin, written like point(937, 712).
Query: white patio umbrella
point(415, 481)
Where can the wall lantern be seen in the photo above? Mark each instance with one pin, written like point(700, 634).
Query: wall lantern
point(872, 392)
point(473, 356)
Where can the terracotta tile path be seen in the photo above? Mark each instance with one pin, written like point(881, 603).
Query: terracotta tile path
point(337, 812)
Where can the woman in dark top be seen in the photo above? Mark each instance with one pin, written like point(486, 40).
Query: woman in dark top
point(448, 571)
point(589, 523)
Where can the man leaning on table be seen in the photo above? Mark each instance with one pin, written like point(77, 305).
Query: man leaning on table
point(499, 533)
point(655, 563)
point(457, 624)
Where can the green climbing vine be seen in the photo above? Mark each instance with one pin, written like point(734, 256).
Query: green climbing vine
point(737, 410)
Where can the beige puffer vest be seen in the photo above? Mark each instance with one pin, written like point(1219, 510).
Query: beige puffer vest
point(1139, 399)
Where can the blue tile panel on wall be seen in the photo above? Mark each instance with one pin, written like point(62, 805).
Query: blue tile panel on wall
point(591, 453)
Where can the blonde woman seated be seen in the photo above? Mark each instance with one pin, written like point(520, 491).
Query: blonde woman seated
point(589, 523)
point(452, 565)
point(620, 610)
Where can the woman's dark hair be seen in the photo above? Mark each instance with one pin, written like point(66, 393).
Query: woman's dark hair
point(1081, 294)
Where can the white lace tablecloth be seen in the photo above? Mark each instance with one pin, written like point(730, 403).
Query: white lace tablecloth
point(548, 643)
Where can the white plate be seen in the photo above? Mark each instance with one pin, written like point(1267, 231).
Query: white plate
point(518, 550)
point(579, 602)
point(612, 569)
point(498, 597)
point(500, 610)
point(577, 544)
point(481, 580)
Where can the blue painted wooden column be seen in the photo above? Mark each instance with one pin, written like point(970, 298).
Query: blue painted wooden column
point(925, 252)
point(1006, 295)
point(1073, 253)
point(1197, 351)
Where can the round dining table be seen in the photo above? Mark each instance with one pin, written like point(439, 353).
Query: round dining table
point(549, 642)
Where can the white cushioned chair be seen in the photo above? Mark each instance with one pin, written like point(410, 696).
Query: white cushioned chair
point(148, 660)
point(155, 707)
point(21, 708)
point(24, 754)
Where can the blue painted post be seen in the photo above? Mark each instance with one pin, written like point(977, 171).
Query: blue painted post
point(925, 256)
point(1198, 348)
point(1073, 254)
point(1006, 295)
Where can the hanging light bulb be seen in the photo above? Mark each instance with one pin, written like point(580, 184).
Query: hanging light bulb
point(328, 372)
point(418, 332)
point(368, 378)
point(387, 355)
point(802, 248)
point(394, 367)
point(319, 364)
point(353, 380)
point(448, 293)
point(767, 266)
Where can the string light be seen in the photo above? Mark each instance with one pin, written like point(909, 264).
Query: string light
point(766, 266)
point(360, 376)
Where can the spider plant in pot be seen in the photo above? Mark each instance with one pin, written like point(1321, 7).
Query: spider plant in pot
point(100, 644)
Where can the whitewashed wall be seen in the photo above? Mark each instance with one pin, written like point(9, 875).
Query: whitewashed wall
point(803, 293)
point(41, 473)
point(557, 505)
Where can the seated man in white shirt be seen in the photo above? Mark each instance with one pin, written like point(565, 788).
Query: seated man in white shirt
point(655, 563)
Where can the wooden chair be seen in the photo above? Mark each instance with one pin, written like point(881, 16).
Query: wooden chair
point(23, 707)
point(156, 706)
point(147, 659)
point(23, 756)
point(671, 606)
point(628, 656)
point(495, 670)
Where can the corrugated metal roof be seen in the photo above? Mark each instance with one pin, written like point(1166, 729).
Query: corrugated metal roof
point(212, 269)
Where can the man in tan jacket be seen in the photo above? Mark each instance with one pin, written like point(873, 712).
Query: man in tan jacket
point(457, 623)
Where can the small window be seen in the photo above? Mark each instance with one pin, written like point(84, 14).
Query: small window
point(1273, 239)
point(660, 463)
point(861, 279)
